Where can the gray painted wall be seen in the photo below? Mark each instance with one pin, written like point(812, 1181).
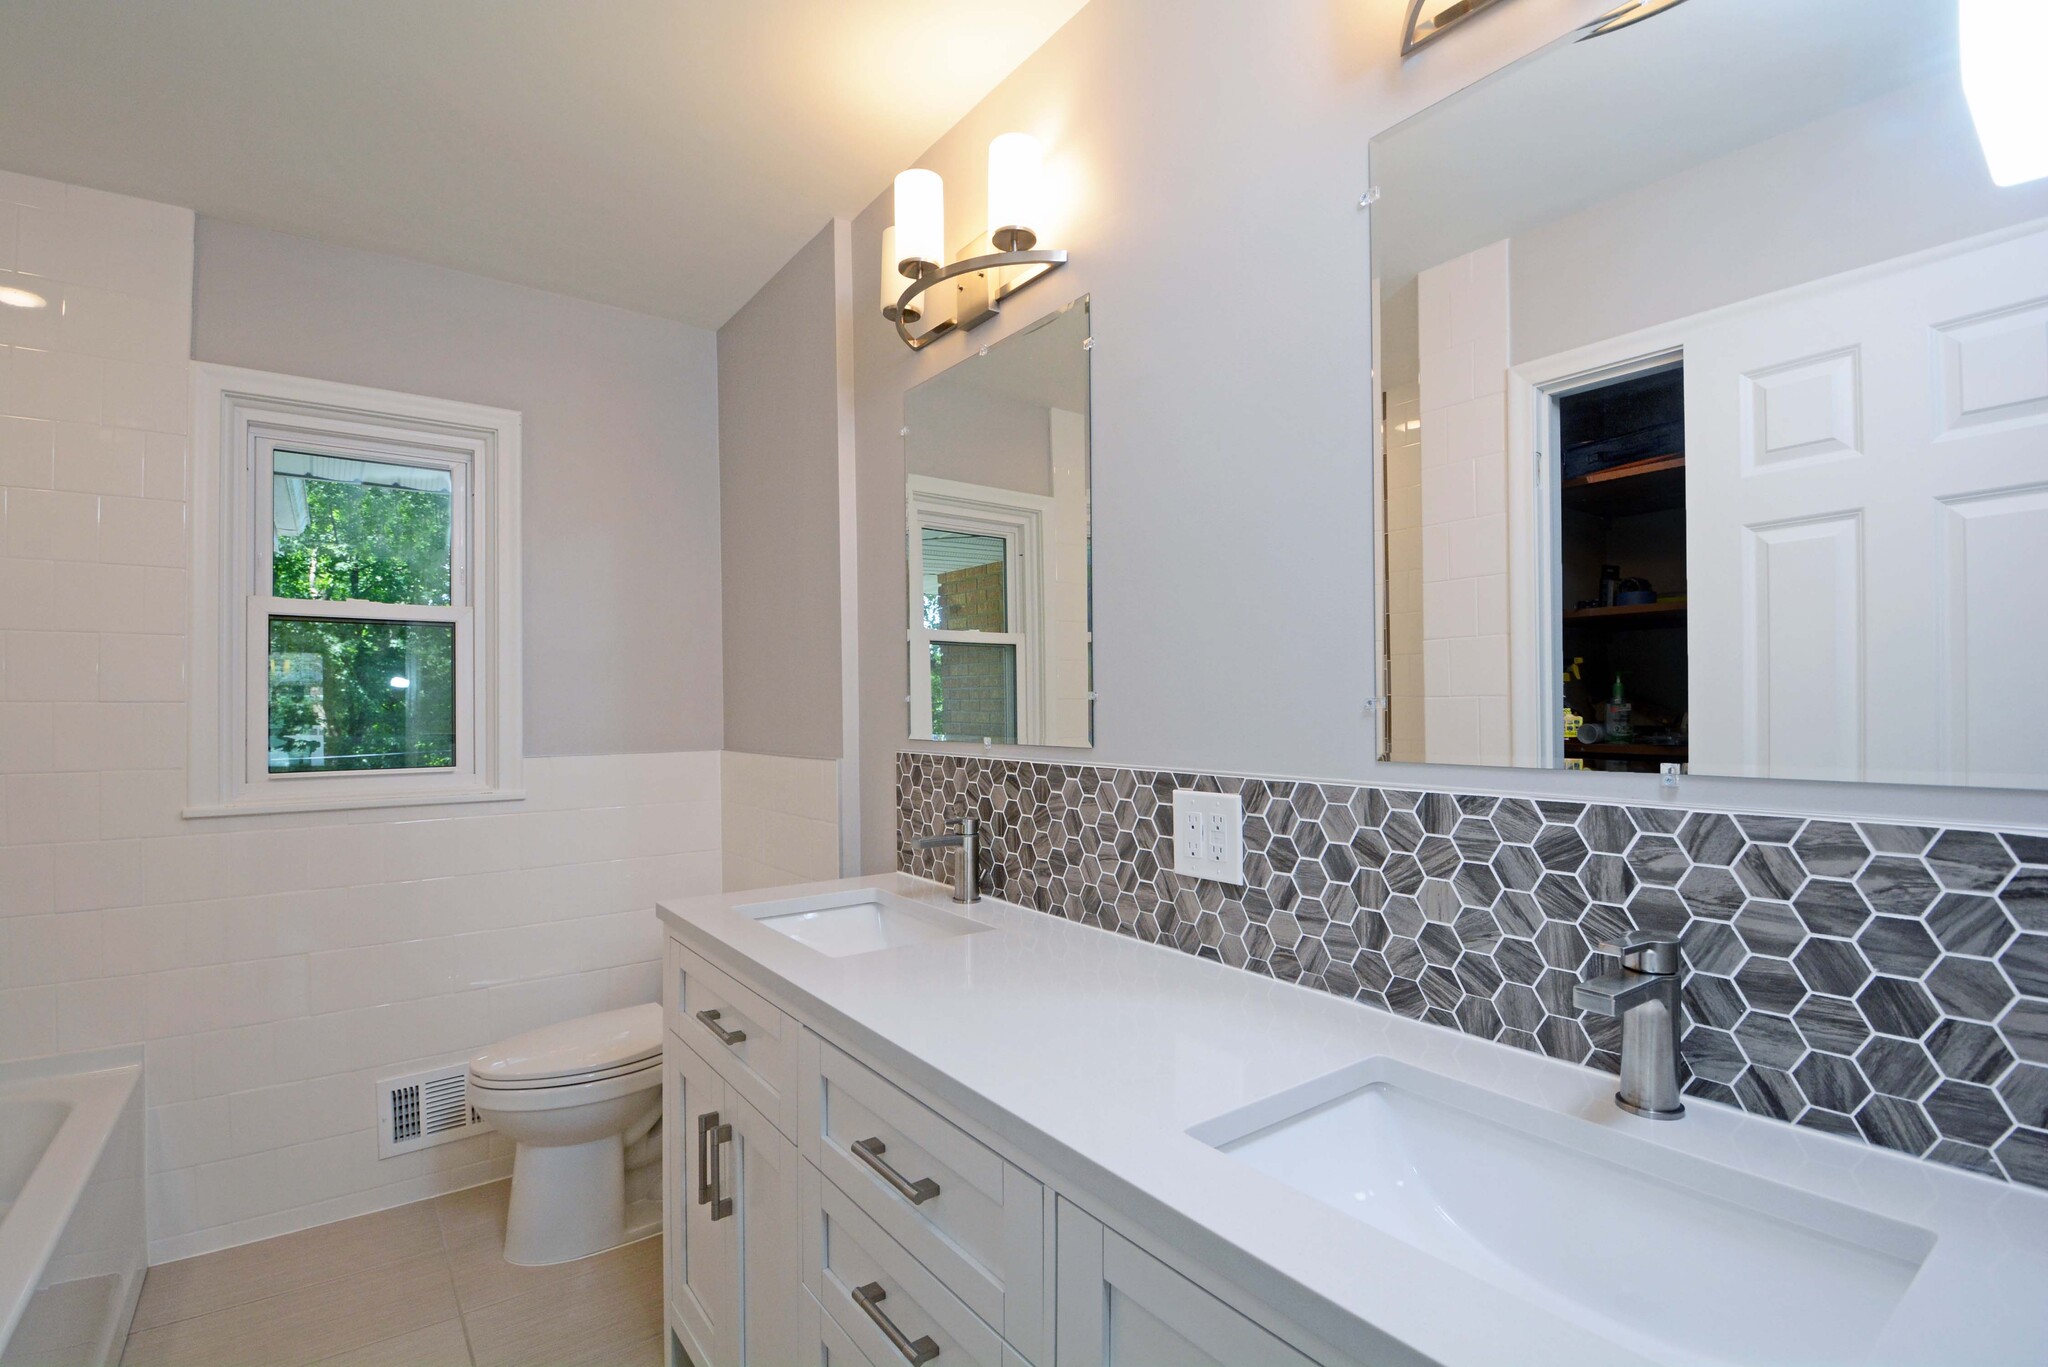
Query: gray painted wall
point(621, 453)
point(978, 436)
point(1209, 156)
point(1879, 180)
point(778, 437)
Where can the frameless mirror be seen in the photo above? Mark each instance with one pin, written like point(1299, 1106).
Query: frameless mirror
point(1714, 378)
point(996, 499)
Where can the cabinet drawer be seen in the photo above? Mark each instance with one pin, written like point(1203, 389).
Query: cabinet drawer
point(821, 1342)
point(745, 1037)
point(908, 1314)
point(975, 1220)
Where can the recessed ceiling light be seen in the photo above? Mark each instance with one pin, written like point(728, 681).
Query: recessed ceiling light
point(2003, 43)
point(21, 299)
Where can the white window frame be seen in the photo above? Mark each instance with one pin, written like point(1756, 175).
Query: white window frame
point(240, 419)
point(1020, 520)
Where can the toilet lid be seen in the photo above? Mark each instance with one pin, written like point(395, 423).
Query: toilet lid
point(605, 1042)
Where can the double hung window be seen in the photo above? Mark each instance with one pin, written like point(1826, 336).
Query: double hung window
point(361, 595)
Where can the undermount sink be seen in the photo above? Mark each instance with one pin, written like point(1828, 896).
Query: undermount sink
point(857, 921)
point(1681, 1257)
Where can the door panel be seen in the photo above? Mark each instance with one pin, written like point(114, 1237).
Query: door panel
point(1121, 1307)
point(1866, 464)
point(762, 1176)
point(703, 1253)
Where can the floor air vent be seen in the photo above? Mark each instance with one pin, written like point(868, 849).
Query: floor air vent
point(423, 1109)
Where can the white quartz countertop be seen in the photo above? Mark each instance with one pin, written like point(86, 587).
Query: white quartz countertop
point(1092, 1054)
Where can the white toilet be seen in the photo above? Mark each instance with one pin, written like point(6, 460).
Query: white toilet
point(581, 1099)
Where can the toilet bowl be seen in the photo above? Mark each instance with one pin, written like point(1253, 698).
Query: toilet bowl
point(579, 1099)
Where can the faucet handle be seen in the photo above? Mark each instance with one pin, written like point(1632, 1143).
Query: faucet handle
point(1644, 952)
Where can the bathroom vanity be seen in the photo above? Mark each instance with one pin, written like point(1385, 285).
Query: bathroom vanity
point(905, 1131)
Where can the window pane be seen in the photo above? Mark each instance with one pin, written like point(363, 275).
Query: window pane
point(966, 581)
point(361, 695)
point(974, 692)
point(367, 529)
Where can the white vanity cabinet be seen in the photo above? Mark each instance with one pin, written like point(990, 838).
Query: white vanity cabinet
point(729, 1207)
point(884, 1232)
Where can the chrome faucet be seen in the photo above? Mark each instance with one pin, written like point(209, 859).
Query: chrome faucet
point(1643, 996)
point(964, 834)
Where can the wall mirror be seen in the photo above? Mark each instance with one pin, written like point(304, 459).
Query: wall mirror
point(1000, 629)
point(1713, 365)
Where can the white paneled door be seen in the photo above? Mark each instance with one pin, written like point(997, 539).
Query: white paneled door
point(1867, 525)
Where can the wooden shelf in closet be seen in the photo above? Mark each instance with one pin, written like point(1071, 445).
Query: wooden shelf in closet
point(1653, 484)
point(1628, 615)
point(1609, 749)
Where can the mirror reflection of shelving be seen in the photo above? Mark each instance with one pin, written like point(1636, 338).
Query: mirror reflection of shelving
point(1622, 584)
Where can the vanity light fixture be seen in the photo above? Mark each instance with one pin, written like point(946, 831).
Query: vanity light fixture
point(1442, 17)
point(1622, 16)
point(943, 296)
point(22, 299)
point(2004, 44)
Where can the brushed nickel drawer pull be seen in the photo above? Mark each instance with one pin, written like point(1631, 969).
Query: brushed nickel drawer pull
point(917, 1351)
point(726, 1037)
point(721, 1204)
point(870, 1151)
point(705, 1124)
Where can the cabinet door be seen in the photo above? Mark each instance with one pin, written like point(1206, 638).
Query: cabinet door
point(758, 1169)
point(703, 1247)
point(1121, 1307)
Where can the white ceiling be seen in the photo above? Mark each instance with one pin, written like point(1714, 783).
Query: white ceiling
point(1579, 122)
point(662, 155)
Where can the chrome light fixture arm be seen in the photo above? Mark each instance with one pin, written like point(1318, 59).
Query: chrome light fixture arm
point(972, 265)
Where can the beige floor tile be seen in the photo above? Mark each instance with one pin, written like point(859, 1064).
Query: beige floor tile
point(483, 1277)
point(236, 1276)
point(644, 1353)
point(477, 1213)
point(607, 1315)
point(308, 1323)
point(437, 1345)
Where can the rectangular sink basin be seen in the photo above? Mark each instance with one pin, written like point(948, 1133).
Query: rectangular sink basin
point(859, 921)
point(1654, 1249)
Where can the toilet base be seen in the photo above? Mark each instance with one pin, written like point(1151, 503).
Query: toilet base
point(568, 1202)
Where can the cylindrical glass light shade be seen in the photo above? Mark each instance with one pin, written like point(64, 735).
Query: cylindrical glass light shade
point(893, 280)
point(920, 218)
point(1016, 179)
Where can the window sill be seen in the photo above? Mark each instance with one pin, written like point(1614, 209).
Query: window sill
point(356, 803)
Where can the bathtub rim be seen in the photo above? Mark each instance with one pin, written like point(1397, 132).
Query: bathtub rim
point(106, 1080)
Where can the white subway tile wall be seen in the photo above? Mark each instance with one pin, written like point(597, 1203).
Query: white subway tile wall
point(272, 968)
point(781, 820)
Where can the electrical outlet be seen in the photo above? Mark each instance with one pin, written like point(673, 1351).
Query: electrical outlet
point(1208, 836)
point(1669, 774)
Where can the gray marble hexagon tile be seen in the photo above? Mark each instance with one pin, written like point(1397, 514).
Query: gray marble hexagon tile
point(1884, 982)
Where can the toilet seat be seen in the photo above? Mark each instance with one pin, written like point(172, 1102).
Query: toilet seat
point(547, 1084)
point(590, 1049)
point(566, 1093)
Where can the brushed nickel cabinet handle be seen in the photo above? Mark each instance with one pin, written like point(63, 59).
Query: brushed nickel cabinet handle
point(917, 1351)
point(870, 1151)
point(705, 1124)
point(726, 1037)
point(721, 1204)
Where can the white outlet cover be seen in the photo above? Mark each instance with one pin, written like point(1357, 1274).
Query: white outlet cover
point(1208, 836)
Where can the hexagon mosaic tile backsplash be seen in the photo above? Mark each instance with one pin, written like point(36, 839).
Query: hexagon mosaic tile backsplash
point(1879, 981)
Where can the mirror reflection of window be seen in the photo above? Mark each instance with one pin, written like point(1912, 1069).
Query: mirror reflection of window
point(997, 508)
point(1714, 394)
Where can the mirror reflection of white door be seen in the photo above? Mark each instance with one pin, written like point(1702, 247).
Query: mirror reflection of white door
point(1867, 525)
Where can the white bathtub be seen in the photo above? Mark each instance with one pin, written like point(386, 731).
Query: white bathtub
point(72, 1247)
